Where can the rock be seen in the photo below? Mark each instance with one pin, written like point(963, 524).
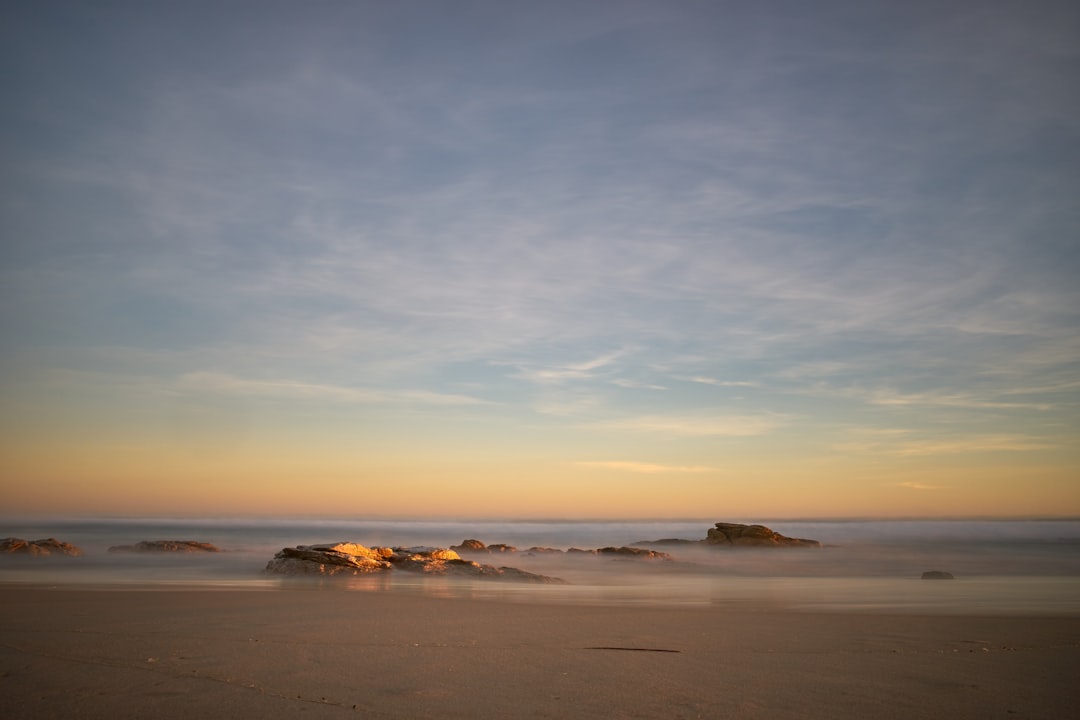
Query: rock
point(48, 546)
point(737, 535)
point(332, 559)
point(752, 535)
point(635, 553)
point(470, 546)
point(354, 559)
point(169, 546)
point(509, 573)
point(937, 575)
point(475, 546)
point(668, 541)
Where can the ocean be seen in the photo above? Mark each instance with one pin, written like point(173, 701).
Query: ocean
point(1000, 566)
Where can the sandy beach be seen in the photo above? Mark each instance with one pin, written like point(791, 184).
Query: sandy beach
point(326, 653)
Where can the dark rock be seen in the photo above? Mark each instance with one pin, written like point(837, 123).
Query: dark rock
point(40, 548)
point(470, 546)
point(667, 541)
point(168, 546)
point(937, 575)
point(635, 553)
point(509, 573)
point(737, 534)
point(475, 546)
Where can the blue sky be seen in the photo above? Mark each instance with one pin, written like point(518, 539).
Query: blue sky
point(677, 238)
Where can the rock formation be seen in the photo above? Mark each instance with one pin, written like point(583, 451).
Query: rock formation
point(171, 546)
point(354, 559)
point(48, 546)
point(753, 535)
point(738, 535)
point(937, 575)
point(634, 553)
point(475, 546)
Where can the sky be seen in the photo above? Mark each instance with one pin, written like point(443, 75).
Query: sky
point(561, 259)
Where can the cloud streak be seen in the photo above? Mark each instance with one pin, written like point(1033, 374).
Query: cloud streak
point(700, 425)
point(958, 445)
point(313, 392)
point(645, 468)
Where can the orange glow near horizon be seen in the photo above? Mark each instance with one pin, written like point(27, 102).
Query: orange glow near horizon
point(103, 479)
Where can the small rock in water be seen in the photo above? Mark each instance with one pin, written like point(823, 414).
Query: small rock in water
point(937, 575)
point(724, 534)
point(174, 546)
point(635, 553)
point(48, 546)
point(753, 535)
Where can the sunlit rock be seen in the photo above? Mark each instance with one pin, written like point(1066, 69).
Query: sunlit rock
point(355, 559)
point(332, 559)
point(428, 553)
point(166, 546)
point(45, 547)
point(470, 546)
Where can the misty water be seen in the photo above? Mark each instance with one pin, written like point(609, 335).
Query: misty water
point(1000, 566)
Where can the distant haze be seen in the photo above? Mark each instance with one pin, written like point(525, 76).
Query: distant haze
point(560, 259)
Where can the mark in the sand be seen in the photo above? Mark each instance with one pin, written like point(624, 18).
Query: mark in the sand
point(633, 649)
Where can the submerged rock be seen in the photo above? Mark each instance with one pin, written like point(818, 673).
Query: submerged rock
point(47, 546)
point(355, 559)
point(669, 541)
point(634, 553)
point(475, 546)
point(170, 546)
point(937, 575)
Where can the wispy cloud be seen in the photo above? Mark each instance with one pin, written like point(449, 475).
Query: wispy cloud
point(943, 399)
point(719, 383)
point(913, 485)
point(294, 390)
point(901, 446)
point(700, 425)
point(572, 371)
point(636, 385)
point(981, 444)
point(647, 468)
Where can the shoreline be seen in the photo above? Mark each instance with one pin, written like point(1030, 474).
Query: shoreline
point(273, 654)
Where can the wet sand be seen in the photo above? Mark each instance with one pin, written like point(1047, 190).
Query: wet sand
point(319, 653)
